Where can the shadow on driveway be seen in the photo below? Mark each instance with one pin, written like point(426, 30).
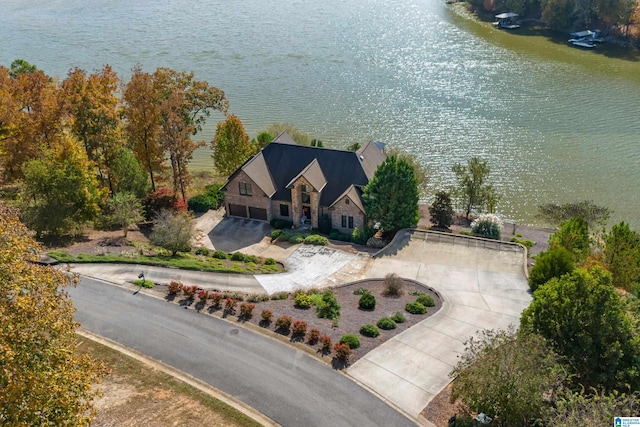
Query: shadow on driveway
point(233, 234)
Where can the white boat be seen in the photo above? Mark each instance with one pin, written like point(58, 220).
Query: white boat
point(587, 44)
point(585, 37)
point(508, 21)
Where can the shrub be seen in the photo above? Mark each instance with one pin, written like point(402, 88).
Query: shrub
point(343, 351)
point(174, 287)
point(218, 254)
point(466, 233)
point(257, 297)
point(269, 261)
point(398, 317)
point(376, 243)
point(237, 256)
point(526, 243)
point(367, 302)
point(230, 305)
point(361, 235)
point(201, 203)
point(415, 308)
point(281, 223)
point(296, 238)
point(299, 328)
point(267, 315)
point(302, 300)
point(386, 323)
point(283, 323)
point(203, 295)
point(251, 258)
point(246, 310)
point(279, 296)
point(275, 234)
point(334, 235)
point(190, 291)
point(361, 291)
point(233, 295)
point(325, 343)
point(487, 226)
point(316, 239)
point(426, 300)
point(329, 309)
point(393, 285)
point(369, 330)
point(352, 340)
point(215, 194)
point(143, 283)
point(215, 298)
point(313, 336)
point(161, 199)
point(202, 251)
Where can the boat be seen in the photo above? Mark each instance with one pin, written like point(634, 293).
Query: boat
point(589, 35)
point(587, 44)
point(507, 21)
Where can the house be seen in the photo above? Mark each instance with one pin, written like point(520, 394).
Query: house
point(301, 183)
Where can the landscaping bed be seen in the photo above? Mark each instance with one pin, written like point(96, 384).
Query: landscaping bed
point(351, 319)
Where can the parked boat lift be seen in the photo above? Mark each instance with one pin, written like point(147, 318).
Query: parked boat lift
point(586, 39)
point(507, 21)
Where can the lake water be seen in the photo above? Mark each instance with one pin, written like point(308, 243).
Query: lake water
point(556, 124)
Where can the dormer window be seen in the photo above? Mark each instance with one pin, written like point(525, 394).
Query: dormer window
point(304, 191)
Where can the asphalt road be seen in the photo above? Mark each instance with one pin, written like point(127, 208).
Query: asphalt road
point(283, 383)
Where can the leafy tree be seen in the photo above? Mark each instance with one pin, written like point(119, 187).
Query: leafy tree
point(573, 235)
point(591, 213)
point(20, 66)
point(43, 381)
point(157, 201)
point(622, 256)
point(590, 410)
point(391, 197)
point(125, 209)
point(60, 192)
point(558, 14)
point(420, 171)
point(584, 320)
point(441, 210)
point(127, 175)
point(550, 264)
point(505, 375)
point(259, 142)
point(231, 146)
point(472, 191)
point(172, 231)
point(296, 134)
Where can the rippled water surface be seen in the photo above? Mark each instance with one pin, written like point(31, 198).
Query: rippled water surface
point(555, 123)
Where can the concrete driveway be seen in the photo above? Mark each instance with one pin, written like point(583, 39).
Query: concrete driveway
point(483, 285)
point(214, 231)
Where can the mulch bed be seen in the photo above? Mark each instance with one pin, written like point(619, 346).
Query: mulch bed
point(351, 316)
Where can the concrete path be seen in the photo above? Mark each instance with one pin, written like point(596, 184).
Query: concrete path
point(482, 287)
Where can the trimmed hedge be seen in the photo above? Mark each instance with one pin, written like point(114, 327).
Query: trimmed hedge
point(350, 339)
point(367, 302)
point(369, 330)
point(316, 239)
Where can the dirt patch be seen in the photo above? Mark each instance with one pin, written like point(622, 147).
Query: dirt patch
point(351, 316)
point(441, 409)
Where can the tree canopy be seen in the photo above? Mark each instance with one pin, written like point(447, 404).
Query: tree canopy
point(43, 381)
point(391, 197)
point(591, 213)
point(622, 256)
point(441, 210)
point(472, 191)
point(231, 145)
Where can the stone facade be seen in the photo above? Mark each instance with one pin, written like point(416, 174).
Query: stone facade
point(348, 208)
point(297, 205)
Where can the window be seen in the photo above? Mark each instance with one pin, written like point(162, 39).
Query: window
point(344, 221)
point(350, 222)
point(245, 189)
point(304, 190)
point(346, 201)
point(284, 210)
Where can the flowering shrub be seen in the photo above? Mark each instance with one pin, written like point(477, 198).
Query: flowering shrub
point(302, 300)
point(313, 336)
point(299, 328)
point(267, 315)
point(487, 226)
point(174, 287)
point(230, 306)
point(325, 342)
point(343, 351)
point(283, 323)
point(246, 310)
point(190, 291)
point(215, 299)
point(203, 295)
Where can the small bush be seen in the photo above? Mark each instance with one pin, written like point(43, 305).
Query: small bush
point(416, 293)
point(203, 251)
point(257, 297)
point(246, 310)
point(426, 300)
point(251, 258)
point(343, 351)
point(352, 340)
point(316, 239)
point(466, 233)
point(313, 336)
point(299, 328)
point(526, 243)
point(302, 300)
point(201, 203)
point(386, 323)
point(275, 234)
point(279, 296)
point(325, 343)
point(174, 287)
point(215, 298)
point(237, 256)
point(267, 315)
point(281, 223)
point(218, 254)
point(369, 330)
point(361, 291)
point(203, 296)
point(361, 235)
point(398, 317)
point(269, 261)
point(487, 226)
point(233, 295)
point(393, 285)
point(329, 309)
point(415, 308)
point(334, 234)
point(144, 283)
point(190, 291)
point(283, 323)
point(230, 306)
point(367, 302)
point(296, 238)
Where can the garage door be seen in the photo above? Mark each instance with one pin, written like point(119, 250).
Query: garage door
point(257, 213)
point(238, 210)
